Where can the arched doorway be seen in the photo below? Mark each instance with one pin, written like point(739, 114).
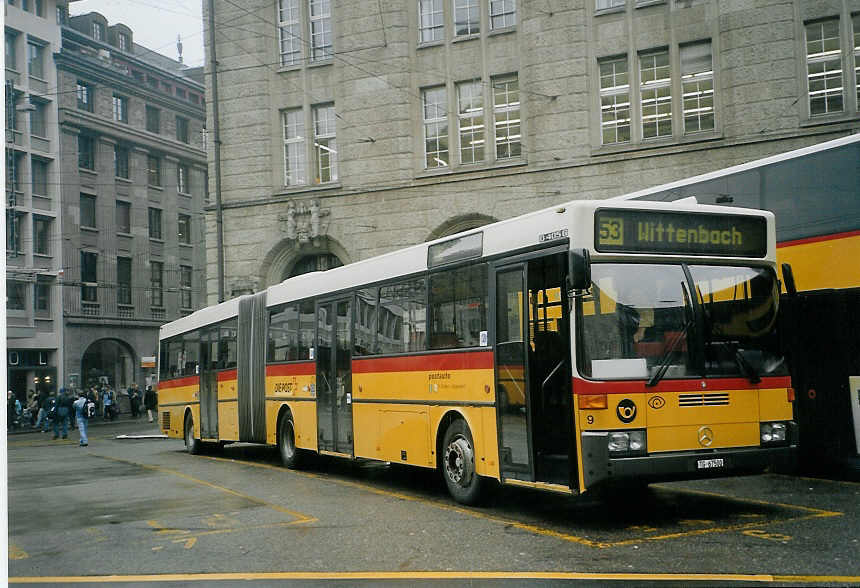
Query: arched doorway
point(316, 262)
point(107, 361)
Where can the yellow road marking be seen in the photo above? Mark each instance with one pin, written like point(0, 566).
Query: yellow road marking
point(422, 575)
point(814, 512)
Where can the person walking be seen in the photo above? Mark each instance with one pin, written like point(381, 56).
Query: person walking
point(64, 411)
point(134, 400)
point(50, 411)
point(107, 403)
point(81, 416)
point(150, 401)
point(11, 410)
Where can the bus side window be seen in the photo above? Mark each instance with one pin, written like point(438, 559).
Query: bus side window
point(227, 345)
point(365, 322)
point(191, 343)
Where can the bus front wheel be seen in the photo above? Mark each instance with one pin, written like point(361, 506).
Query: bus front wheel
point(290, 454)
point(458, 463)
point(192, 445)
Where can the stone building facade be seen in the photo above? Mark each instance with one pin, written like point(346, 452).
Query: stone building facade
point(350, 129)
point(133, 171)
point(33, 323)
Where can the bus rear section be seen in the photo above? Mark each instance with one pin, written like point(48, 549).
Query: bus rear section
point(680, 373)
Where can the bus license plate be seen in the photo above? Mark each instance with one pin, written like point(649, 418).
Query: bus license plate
point(706, 464)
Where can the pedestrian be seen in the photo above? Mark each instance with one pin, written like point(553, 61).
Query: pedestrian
point(107, 402)
point(150, 401)
point(50, 411)
point(64, 411)
point(134, 400)
point(31, 410)
point(81, 416)
point(11, 410)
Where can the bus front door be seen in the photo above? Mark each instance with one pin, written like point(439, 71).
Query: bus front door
point(208, 385)
point(334, 376)
point(533, 397)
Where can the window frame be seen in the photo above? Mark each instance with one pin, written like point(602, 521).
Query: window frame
point(155, 223)
point(35, 59)
point(434, 120)
point(183, 132)
point(325, 143)
point(84, 94)
point(295, 155)
point(289, 32)
point(470, 106)
point(466, 17)
point(153, 119)
point(701, 93)
point(121, 162)
point(124, 280)
point(120, 108)
point(503, 18)
point(123, 217)
point(431, 21)
point(42, 235)
point(183, 236)
point(507, 109)
point(186, 281)
point(650, 91)
point(156, 283)
point(89, 276)
point(320, 27)
point(824, 58)
point(613, 92)
point(86, 152)
point(90, 211)
point(153, 169)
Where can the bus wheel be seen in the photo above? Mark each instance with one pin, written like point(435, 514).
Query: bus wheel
point(290, 455)
point(458, 463)
point(192, 445)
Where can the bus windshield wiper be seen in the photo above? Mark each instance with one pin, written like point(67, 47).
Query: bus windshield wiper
point(664, 363)
point(746, 367)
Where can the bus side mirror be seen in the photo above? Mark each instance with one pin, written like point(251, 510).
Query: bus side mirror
point(788, 278)
point(578, 269)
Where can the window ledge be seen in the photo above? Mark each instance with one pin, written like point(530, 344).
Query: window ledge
point(87, 171)
point(303, 188)
point(502, 31)
point(470, 168)
point(828, 119)
point(122, 180)
point(89, 229)
point(655, 144)
point(159, 188)
point(186, 194)
point(613, 10)
point(123, 234)
point(321, 62)
point(428, 44)
point(186, 245)
point(290, 68)
point(43, 255)
point(645, 3)
point(463, 38)
point(156, 240)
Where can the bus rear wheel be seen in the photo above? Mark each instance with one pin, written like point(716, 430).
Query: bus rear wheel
point(192, 445)
point(290, 454)
point(458, 463)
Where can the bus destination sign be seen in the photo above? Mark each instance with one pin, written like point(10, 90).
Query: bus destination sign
point(684, 233)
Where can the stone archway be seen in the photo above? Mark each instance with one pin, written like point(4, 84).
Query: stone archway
point(460, 223)
point(109, 359)
point(288, 258)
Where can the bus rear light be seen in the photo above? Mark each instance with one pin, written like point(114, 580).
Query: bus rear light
point(790, 394)
point(592, 401)
point(773, 433)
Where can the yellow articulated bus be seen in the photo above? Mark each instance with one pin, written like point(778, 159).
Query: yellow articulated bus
point(571, 348)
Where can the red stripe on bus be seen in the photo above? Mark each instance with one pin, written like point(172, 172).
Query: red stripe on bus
point(227, 375)
point(307, 368)
point(818, 239)
point(688, 385)
point(178, 382)
point(470, 360)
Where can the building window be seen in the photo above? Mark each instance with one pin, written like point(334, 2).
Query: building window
point(321, 44)
point(153, 165)
point(614, 101)
point(39, 173)
point(467, 17)
point(153, 119)
point(185, 286)
point(123, 217)
point(608, 4)
point(289, 32)
point(182, 129)
point(470, 121)
point(431, 21)
point(824, 67)
point(655, 89)
point(13, 232)
point(697, 87)
point(86, 152)
point(122, 41)
point(98, 31)
point(120, 108)
point(503, 14)
point(42, 235)
point(11, 56)
point(155, 223)
point(123, 280)
point(85, 96)
point(35, 60)
point(506, 115)
point(42, 297)
point(435, 127)
point(61, 15)
point(120, 161)
point(39, 8)
point(16, 295)
point(295, 163)
point(184, 225)
point(156, 282)
point(37, 120)
point(88, 211)
point(181, 93)
point(325, 143)
point(182, 179)
point(89, 277)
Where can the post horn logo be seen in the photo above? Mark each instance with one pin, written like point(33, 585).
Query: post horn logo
point(626, 411)
point(656, 402)
point(706, 436)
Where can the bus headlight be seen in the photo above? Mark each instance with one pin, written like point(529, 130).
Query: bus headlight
point(626, 443)
point(773, 433)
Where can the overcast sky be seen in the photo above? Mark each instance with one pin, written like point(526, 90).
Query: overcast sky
point(155, 23)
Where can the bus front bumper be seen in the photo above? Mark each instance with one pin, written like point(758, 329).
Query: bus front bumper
point(600, 469)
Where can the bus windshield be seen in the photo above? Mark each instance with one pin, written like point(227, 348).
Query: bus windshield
point(641, 319)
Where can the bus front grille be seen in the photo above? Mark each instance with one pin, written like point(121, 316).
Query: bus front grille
point(704, 399)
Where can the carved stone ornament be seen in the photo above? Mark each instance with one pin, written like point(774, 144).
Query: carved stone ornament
point(304, 222)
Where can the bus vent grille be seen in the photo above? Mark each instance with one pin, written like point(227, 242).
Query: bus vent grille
point(711, 399)
point(165, 420)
